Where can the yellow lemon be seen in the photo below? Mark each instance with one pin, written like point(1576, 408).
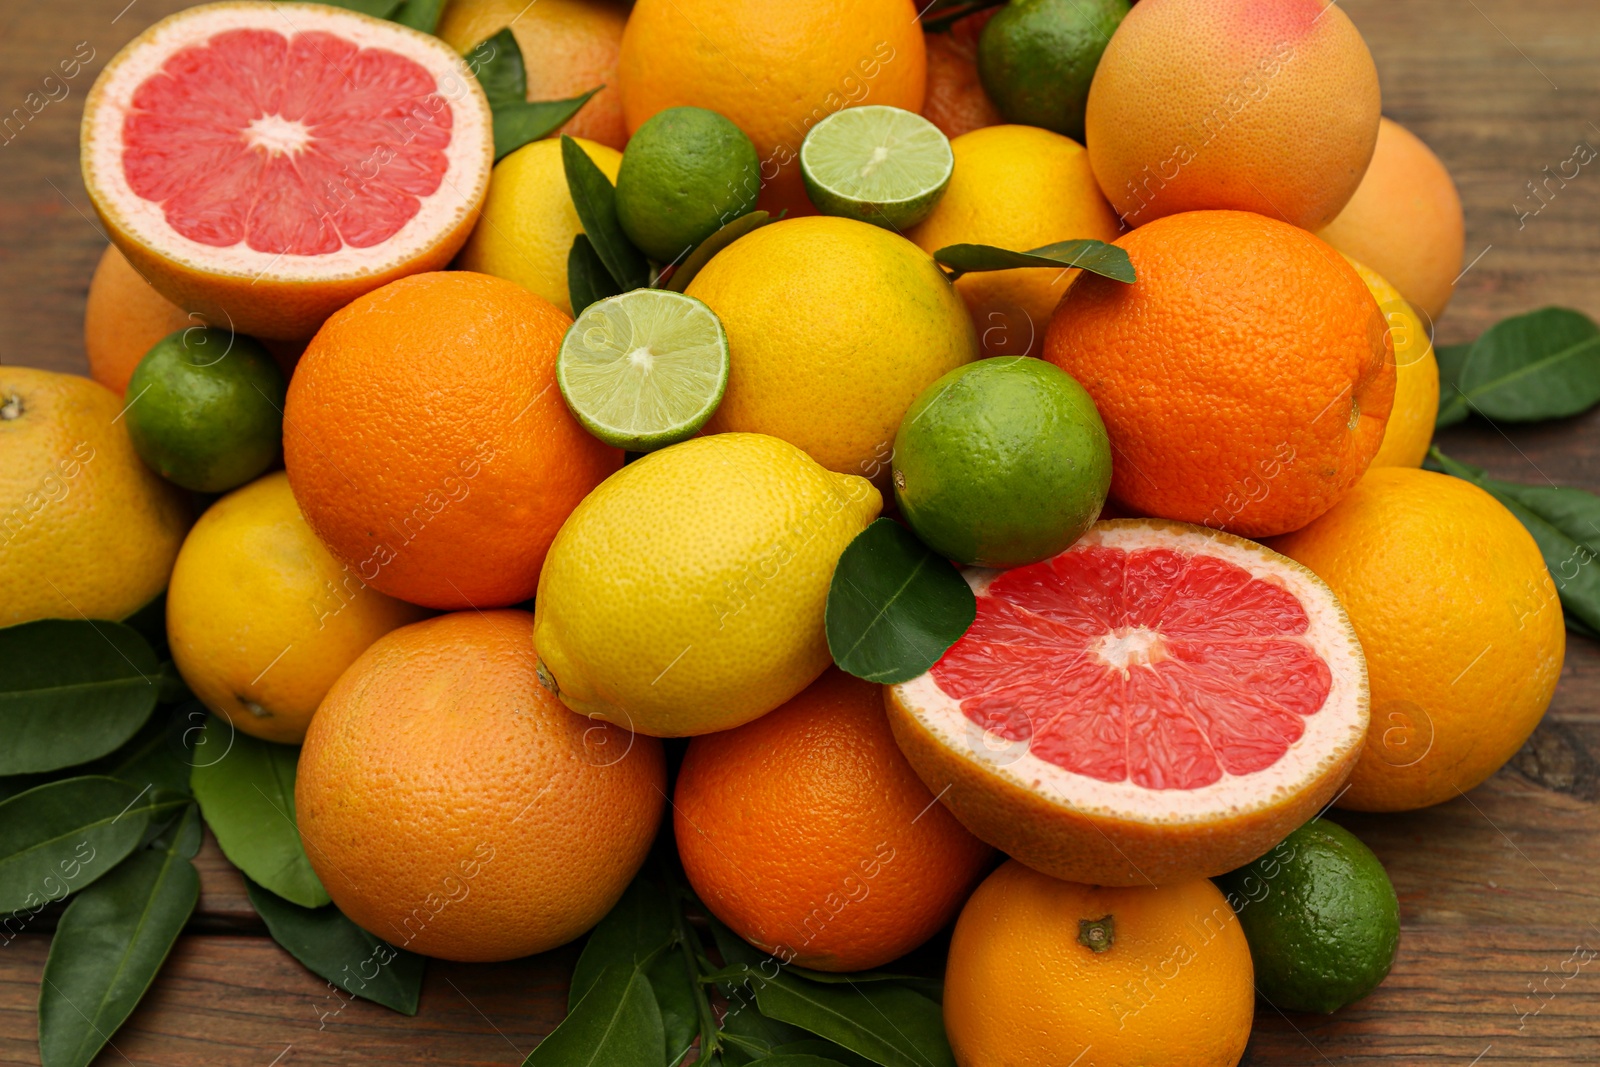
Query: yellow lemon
point(685, 594)
point(1017, 187)
point(262, 619)
point(528, 222)
point(1416, 380)
point(834, 326)
point(86, 529)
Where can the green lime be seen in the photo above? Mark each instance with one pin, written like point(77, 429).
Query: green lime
point(1002, 462)
point(205, 409)
point(1036, 59)
point(1321, 917)
point(645, 369)
point(876, 164)
point(685, 173)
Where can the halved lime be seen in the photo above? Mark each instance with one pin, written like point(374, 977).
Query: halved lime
point(878, 164)
point(645, 369)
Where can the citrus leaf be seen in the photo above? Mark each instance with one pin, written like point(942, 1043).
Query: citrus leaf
point(887, 1023)
point(673, 982)
point(617, 1022)
point(419, 14)
point(378, 9)
point(825, 1051)
point(497, 63)
point(588, 281)
point(727, 234)
point(928, 987)
point(596, 202)
point(633, 932)
point(797, 1059)
point(72, 691)
point(247, 796)
point(894, 606)
point(518, 124)
point(1100, 258)
point(59, 837)
point(1565, 524)
point(1542, 365)
point(111, 942)
point(332, 947)
point(1452, 409)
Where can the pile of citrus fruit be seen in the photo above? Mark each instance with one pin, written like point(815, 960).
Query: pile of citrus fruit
point(485, 470)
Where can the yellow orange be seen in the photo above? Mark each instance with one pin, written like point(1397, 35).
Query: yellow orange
point(1416, 378)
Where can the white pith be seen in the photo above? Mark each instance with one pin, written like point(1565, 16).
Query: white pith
point(1337, 729)
point(461, 191)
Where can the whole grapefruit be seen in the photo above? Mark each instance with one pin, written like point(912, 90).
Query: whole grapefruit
point(955, 101)
point(123, 318)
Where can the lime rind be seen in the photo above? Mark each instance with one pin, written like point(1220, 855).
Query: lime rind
point(876, 164)
point(645, 369)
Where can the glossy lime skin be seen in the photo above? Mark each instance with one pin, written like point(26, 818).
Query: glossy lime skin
point(1321, 917)
point(685, 173)
point(1002, 462)
point(205, 409)
point(1036, 59)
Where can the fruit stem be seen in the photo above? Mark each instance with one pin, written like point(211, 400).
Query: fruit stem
point(1097, 935)
point(11, 407)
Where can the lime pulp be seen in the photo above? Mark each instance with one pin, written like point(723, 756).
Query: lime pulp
point(876, 164)
point(645, 369)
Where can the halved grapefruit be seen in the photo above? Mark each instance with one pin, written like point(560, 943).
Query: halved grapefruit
point(264, 164)
point(1159, 702)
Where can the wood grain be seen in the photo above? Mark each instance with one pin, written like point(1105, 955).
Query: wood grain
point(1497, 888)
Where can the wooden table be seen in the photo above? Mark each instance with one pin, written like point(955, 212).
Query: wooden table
point(1497, 889)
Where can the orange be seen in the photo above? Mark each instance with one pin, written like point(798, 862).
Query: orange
point(452, 806)
point(1245, 379)
point(776, 68)
point(1262, 105)
point(86, 529)
point(954, 100)
point(1416, 377)
point(809, 835)
point(123, 318)
point(1017, 187)
point(427, 442)
point(1461, 626)
point(1405, 221)
point(1045, 974)
point(568, 47)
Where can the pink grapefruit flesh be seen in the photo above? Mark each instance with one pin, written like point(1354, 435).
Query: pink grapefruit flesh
point(1161, 701)
point(266, 163)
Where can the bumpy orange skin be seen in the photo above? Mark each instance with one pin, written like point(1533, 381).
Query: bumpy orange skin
point(955, 101)
point(452, 806)
point(123, 318)
point(774, 67)
point(808, 833)
point(1262, 105)
point(1176, 986)
point(427, 442)
point(1405, 221)
point(1245, 379)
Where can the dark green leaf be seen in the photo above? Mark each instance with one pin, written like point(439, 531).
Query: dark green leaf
point(57, 838)
point(378, 9)
point(894, 605)
point(71, 692)
point(248, 799)
point(332, 947)
point(887, 1023)
point(797, 1059)
point(631, 933)
point(111, 941)
point(149, 759)
point(419, 14)
point(518, 124)
point(748, 1035)
point(1100, 258)
point(616, 1024)
point(588, 281)
point(1542, 365)
point(596, 202)
point(674, 985)
point(497, 63)
point(1451, 359)
point(722, 238)
point(928, 987)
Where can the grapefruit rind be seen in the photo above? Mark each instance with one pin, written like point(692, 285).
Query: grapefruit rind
point(1083, 829)
point(273, 294)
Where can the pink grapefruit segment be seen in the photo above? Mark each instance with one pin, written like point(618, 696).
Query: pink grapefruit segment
point(1160, 701)
point(266, 163)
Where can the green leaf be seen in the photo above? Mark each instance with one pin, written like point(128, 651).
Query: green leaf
point(1565, 524)
point(748, 1035)
point(334, 948)
point(894, 605)
point(247, 796)
point(1100, 258)
point(518, 124)
point(887, 1023)
point(148, 759)
point(674, 985)
point(497, 63)
point(616, 1024)
point(588, 280)
point(419, 14)
point(928, 987)
point(59, 837)
point(1451, 359)
point(378, 9)
point(596, 202)
point(111, 941)
point(722, 238)
point(1542, 365)
point(150, 623)
point(797, 1059)
point(72, 691)
point(633, 932)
